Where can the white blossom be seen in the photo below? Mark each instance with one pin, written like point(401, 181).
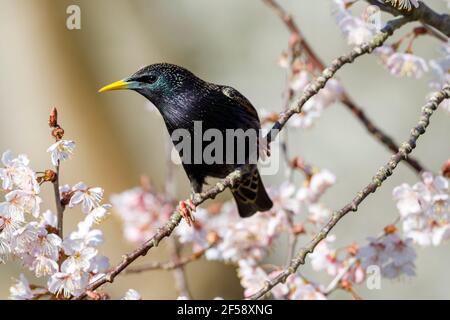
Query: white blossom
point(406, 65)
point(61, 151)
point(25, 201)
point(142, 213)
point(99, 213)
point(132, 294)
point(67, 283)
point(356, 30)
point(48, 219)
point(425, 209)
point(441, 71)
point(21, 290)
point(325, 258)
point(395, 256)
point(301, 290)
point(17, 174)
point(89, 198)
point(44, 266)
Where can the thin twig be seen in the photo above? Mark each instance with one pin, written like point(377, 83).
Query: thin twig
point(169, 265)
point(178, 271)
point(179, 275)
point(334, 284)
point(57, 133)
point(59, 206)
point(382, 174)
point(423, 14)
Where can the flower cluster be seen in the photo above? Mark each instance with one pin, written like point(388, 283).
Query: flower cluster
point(143, 211)
point(358, 30)
point(392, 254)
point(302, 75)
point(425, 209)
point(32, 236)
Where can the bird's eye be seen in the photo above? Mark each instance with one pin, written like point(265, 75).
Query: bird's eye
point(149, 79)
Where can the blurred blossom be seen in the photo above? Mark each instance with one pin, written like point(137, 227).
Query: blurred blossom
point(406, 65)
point(356, 30)
point(384, 53)
point(142, 212)
point(319, 183)
point(132, 294)
point(314, 107)
point(325, 258)
point(240, 239)
point(395, 256)
point(21, 290)
point(299, 289)
point(252, 277)
point(424, 209)
point(441, 71)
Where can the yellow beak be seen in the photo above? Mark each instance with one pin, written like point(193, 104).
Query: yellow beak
point(118, 85)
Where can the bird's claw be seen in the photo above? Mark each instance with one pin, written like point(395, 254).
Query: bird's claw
point(187, 208)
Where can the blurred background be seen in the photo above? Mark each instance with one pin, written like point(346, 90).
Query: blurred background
point(234, 42)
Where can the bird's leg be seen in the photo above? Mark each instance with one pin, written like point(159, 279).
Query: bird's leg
point(187, 208)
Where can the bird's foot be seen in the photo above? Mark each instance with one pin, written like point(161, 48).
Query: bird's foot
point(187, 208)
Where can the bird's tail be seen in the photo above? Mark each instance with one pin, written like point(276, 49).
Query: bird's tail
point(251, 195)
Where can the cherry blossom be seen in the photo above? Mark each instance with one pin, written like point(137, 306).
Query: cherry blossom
point(440, 68)
point(394, 255)
point(299, 289)
point(142, 212)
point(21, 290)
point(88, 197)
point(61, 151)
point(325, 258)
point(68, 283)
point(132, 294)
point(407, 65)
point(424, 208)
point(356, 30)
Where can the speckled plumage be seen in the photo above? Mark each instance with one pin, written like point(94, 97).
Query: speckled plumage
point(182, 98)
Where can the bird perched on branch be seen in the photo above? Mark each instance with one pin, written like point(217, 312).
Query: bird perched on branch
point(183, 99)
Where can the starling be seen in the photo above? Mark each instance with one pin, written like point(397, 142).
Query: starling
point(184, 99)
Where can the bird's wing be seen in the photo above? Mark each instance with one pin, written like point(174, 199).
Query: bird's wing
point(240, 100)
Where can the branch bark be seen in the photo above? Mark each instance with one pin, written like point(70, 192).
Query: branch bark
point(423, 14)
point(59, 206)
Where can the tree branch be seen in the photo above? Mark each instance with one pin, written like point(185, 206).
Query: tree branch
point(377, 180)
point(59, 206)
point(423, 14)
point(316, 62)
point(235, 177)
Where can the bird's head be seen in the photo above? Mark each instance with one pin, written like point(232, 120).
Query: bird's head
point(157, 82)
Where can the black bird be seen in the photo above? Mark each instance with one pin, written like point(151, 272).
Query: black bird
point(182, 98)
